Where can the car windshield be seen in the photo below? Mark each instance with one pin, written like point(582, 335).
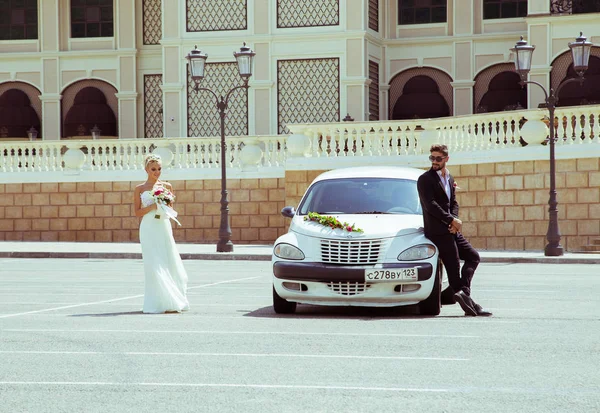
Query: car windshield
point(362, 196)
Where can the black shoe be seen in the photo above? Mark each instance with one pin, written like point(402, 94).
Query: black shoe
point(481, 312)
point(465, 303)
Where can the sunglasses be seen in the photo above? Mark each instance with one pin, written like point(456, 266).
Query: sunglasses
point(437, 158)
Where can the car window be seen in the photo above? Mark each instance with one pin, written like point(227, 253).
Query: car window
point(362, 196)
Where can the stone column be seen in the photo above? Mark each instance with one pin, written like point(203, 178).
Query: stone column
point(463, 97)
point(463, 78)
point(174, 74)
point(384, 102)
point(127, 115)
point(540, 65)
point(355, 82)
point(50, 68)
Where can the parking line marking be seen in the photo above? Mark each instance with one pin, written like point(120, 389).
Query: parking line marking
point(280, 333)
point(226, 385)
point(258, 355)
point(119, 299)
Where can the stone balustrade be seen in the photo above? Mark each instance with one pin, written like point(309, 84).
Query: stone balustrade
point(504, 133)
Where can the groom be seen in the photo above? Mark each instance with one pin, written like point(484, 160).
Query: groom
point(442, 227)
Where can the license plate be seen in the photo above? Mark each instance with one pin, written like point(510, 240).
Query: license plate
point(397, 274)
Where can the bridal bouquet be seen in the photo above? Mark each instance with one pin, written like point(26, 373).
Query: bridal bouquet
point(164, 200)
point(162, 195)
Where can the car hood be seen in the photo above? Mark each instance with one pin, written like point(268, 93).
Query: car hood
point(373, 225)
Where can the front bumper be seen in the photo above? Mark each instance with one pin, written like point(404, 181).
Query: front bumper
point(316, 271)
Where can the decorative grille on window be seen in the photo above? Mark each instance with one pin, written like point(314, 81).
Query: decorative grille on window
point(574, 6)
point(216, 15)
point(153, 106)
point(203, 115)
point(374, 15)
point(308, 91)
point(307, 13)
point(152, 11)
point(374, 91)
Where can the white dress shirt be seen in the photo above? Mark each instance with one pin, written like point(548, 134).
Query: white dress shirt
point(445, 181)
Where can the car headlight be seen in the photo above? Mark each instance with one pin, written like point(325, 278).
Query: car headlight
point(288, 252)
point(418, 252)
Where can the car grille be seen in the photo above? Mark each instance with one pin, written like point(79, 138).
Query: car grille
point(351, 252)
point(348, 287)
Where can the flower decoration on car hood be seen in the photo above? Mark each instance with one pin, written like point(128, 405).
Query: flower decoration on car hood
point(331, 222)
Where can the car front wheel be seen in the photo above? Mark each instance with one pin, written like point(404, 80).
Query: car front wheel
point(282, 306)
point(432, 305)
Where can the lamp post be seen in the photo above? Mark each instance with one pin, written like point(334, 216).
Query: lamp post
point(580, 51)
point(197, 61)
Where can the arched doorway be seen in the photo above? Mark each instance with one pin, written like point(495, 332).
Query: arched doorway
point(504, 93)
point(17, 115)
point(587, 93)
point(420, 99)
point(420, 93)
point(89, 103)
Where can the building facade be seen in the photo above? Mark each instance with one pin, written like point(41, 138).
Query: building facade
point(69, 65)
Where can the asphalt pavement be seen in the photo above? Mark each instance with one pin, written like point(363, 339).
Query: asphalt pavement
point(245, 252)
point(73, 339)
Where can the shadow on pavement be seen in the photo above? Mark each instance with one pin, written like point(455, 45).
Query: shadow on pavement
point(360, 313)
point(107, 314)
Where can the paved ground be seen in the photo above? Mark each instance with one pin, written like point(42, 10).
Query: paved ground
point(72, 339)
point(241, 252)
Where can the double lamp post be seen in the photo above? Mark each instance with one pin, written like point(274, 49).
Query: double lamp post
point(197, 62)
point(580, 51)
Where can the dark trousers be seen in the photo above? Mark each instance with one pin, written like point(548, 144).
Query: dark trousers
point(453, 248)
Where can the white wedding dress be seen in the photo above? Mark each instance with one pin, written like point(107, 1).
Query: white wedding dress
point(165, 277)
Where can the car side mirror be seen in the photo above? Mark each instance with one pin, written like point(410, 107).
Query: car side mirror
point(288, 212)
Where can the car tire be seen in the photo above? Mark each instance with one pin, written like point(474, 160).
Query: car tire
point(432, 305)
point(282, 306)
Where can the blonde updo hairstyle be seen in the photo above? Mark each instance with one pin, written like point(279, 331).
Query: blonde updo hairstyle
point(152, 157)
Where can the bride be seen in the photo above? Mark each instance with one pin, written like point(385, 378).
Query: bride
point(165, 276)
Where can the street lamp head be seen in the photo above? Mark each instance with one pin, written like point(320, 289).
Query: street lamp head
point(245, 58)
point(580, 50)
point(197, 60)
point(523, 54)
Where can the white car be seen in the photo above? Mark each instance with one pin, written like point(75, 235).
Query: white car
point(380, 258)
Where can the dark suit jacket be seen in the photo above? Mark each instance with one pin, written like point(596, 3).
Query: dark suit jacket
point(438, 210)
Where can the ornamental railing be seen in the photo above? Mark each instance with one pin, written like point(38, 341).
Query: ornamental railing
point(575, 126)
point(246, 153)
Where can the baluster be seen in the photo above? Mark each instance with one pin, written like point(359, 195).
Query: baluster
point(587, 128)
point(350, 143)
point(359, 141)
point(571, 125)
point(578, 128)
